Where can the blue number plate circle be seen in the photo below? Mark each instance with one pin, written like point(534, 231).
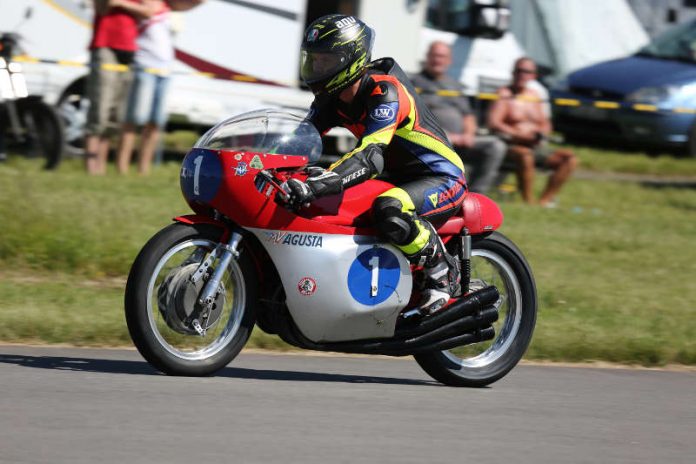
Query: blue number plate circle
point(360, 276)
point(201, 175)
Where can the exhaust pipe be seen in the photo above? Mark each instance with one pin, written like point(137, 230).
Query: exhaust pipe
point(466, 321)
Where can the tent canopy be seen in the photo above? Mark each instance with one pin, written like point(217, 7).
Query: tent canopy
point(565, 35)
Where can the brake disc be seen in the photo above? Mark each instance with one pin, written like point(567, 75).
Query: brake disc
point(177, 301)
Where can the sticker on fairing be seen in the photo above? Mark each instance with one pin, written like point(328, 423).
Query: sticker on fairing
point(307, 286)
point(374, 276)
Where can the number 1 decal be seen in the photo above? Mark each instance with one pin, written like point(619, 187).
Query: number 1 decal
point(374, 276)
point(196, 174)
point(374, 262)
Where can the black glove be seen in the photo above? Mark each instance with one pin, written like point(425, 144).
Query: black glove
point(320, 182)
point(299, 193)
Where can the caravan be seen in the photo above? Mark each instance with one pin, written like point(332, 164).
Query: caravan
point(235, 56)
point(239, 55)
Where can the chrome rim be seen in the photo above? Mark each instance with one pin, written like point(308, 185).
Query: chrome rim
point(223, 331)
point(489, 268)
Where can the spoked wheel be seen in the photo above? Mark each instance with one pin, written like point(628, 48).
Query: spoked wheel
point(169, 327)
point(495, 261)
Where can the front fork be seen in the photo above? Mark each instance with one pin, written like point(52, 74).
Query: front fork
point(224, 253)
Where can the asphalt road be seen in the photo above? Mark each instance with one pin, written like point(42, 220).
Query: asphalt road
point(67, 405)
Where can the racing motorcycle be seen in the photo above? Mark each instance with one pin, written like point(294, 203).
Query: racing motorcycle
point(319, 276)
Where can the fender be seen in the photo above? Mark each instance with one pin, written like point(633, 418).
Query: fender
point(193, 219)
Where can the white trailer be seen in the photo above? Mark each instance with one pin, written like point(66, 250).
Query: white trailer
point(252, 48)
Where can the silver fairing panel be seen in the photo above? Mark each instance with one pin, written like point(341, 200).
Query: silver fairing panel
point(340, 287)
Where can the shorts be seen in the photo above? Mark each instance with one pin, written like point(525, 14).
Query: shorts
point(107, 90)
point(542, 153)
point(146, 100)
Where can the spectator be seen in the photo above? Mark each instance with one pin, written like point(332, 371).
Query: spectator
point(146, 100)
point(482, 154)
point(519, 118)
point(113, 44)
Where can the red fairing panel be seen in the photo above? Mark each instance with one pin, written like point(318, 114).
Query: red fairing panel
point(347, 214)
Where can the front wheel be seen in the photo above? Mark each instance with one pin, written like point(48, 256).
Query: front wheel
point(167, 324)
point(495, 261)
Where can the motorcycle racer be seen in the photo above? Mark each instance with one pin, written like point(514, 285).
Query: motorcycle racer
point(398, 140)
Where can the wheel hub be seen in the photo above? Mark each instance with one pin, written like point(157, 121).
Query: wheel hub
point(177, 301)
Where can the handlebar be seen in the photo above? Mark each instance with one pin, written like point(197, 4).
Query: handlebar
point(266, 177)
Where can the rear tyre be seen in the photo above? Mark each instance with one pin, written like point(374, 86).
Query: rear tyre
point(159, 296)
point(43, 131)
point(495, 261)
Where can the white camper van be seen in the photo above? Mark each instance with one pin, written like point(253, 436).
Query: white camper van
point(239, 55)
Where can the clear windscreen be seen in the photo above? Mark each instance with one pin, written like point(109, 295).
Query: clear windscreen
point(265, 131)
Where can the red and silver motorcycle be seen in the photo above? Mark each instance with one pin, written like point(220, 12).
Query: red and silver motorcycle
point(320, 278)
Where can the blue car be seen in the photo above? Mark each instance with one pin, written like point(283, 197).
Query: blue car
point(647, 100)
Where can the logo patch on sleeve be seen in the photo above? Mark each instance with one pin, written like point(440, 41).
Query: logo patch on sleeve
point(383, 112)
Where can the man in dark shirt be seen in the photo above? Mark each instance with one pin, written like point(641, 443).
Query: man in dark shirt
point(445, 97)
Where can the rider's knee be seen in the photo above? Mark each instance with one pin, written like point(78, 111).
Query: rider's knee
point(392, 222)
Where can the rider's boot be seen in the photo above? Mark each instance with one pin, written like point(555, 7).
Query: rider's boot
point(441, 278)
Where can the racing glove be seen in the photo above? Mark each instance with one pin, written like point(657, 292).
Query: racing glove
point(320, 182)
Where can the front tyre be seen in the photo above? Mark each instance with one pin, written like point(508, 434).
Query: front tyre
point(160, 302)
point(495, 261)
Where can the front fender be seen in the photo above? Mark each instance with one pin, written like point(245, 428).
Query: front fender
point(193, 219)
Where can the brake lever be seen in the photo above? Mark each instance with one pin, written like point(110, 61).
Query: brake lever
point(275, 183)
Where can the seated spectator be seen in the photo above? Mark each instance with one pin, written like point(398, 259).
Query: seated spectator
point(518, 117)
point(482, 155)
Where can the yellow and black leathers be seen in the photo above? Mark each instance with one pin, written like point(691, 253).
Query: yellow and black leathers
point(400, 141)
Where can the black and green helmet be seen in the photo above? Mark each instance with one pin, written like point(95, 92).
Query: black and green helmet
point(335, 51)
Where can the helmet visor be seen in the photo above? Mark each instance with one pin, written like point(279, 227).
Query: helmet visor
point(315, 66)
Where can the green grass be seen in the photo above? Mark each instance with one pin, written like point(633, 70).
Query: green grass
point(664, 165)
point(614, 264)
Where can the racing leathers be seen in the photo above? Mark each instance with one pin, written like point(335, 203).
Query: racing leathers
point(399, 140)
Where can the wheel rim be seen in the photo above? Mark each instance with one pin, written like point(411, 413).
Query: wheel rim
point(489, 268)
point(73, 110)
point(222, 332)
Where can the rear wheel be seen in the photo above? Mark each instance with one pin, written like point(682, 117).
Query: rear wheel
point(495, 261)
point(161, 303)
point(38, 132)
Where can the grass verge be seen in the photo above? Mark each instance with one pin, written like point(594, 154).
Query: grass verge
point(614, 263)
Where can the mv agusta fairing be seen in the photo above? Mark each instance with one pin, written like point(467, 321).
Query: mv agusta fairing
point(319, 277)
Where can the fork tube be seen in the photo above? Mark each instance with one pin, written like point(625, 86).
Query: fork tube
point(229, 252)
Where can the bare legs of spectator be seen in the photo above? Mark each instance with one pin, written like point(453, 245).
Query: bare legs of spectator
point(125, 148)
point(524, 163)
point(485, 158)
point(563, 163)
point(97, 153)
point(148, 144)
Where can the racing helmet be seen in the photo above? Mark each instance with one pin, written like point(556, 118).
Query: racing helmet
point(335, 52)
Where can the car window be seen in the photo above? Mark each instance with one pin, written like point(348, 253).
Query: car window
point(678, 43)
